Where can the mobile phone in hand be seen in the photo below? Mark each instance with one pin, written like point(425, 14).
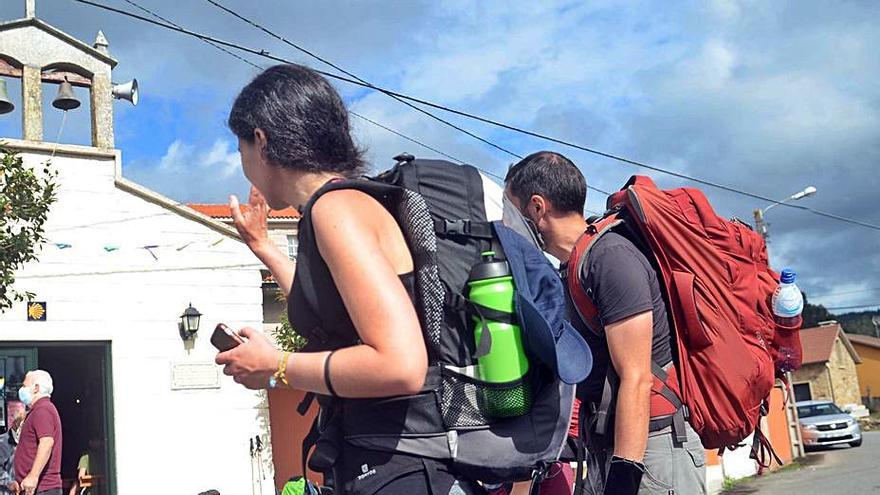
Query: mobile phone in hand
point(224, 339)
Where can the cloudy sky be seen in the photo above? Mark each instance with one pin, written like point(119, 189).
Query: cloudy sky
point(767, 97)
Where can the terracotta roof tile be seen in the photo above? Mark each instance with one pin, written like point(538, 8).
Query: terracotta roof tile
point(818, 342)
point(222, 211)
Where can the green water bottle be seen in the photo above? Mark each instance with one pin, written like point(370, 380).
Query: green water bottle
point(504, 367)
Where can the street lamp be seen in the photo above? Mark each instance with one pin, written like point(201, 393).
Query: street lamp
point(761, 226)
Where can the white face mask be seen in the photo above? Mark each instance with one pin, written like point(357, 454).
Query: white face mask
point(512, 218)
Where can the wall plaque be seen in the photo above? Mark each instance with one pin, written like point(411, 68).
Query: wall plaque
point(194, 376)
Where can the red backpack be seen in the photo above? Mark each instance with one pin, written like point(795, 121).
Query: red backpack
point(717, 286)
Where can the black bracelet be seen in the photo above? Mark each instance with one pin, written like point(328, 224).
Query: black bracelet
point(327, 381)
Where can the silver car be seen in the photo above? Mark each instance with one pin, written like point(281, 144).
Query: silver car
point(823, 423)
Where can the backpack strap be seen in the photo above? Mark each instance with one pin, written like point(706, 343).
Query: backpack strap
point(581, 299)
point(308, 442)
point(581, 450)
point(761, 446)
point(484, 313)
point(604, 411)
point(679, 417)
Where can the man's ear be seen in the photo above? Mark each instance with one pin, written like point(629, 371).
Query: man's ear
point(538, 204)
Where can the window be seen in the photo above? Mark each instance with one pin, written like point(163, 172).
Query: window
point(802, 392)
point(825, 409)
point(292, 245)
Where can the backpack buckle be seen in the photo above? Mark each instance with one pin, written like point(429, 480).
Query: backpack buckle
point(456, 227)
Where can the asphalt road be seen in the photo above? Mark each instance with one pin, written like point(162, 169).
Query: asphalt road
point(832, 470)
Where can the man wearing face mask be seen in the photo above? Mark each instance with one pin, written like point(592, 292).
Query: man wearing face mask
point(38, 455)
point(634, 456)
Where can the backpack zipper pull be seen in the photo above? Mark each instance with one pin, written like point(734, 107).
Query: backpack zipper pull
point(452, 442)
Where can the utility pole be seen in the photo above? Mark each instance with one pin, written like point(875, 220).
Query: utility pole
point(760, 225)
point(794, 431)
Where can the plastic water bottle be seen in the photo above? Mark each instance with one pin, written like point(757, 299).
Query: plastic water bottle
point(507, 392)
point(788, 302)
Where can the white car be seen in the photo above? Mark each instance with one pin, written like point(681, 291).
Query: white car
point(823, 423)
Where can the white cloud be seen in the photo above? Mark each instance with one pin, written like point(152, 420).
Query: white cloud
point(193, 173)
point(219, 160)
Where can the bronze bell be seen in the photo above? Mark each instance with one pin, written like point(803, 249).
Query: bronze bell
point(6, 104)
point(65, 100)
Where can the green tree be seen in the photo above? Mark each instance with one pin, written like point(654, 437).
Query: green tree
point(858, 323)
point(285, 336)
point(25, 198)
point(813, 314)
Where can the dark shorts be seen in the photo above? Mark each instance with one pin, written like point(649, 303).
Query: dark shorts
point(368, 472)
point(54, 491)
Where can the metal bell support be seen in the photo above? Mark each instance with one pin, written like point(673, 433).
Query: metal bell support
point(65, 100)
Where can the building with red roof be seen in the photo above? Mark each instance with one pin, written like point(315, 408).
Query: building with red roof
point(829, 369)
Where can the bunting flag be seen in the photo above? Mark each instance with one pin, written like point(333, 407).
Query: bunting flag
point(153, 249)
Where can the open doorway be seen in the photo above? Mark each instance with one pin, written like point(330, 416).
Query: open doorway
point(81, 376)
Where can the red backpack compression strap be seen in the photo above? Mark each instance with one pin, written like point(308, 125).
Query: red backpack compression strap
point(582, 302)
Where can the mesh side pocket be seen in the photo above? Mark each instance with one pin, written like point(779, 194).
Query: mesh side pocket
point(506, 400)
point(467, 402)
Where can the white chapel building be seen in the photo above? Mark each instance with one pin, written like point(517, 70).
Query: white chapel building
point(122, 265)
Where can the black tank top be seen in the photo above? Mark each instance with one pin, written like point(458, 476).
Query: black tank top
point(315, 308)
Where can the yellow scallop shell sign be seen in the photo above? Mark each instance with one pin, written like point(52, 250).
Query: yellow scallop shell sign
point(36, 311)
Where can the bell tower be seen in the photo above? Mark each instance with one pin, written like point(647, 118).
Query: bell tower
point(37, 53)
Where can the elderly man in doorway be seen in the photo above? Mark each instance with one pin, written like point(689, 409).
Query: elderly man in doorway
point(38, 455)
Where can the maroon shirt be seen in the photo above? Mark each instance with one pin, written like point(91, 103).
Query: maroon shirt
point(42, 421)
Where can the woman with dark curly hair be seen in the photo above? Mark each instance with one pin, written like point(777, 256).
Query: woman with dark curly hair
point(294, 139)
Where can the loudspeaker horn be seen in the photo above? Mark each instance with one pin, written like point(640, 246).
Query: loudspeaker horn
point(127, 91)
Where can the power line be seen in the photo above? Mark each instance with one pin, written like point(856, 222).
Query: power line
point(832, 294)
point(259, 67)
point(370, 85)
point(359, 79)
point(860, 306)
point(266, 54)
point(224, 50)
point(367, 119)
point(404, 136)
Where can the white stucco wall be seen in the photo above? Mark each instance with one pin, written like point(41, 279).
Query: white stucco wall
point(184, 441)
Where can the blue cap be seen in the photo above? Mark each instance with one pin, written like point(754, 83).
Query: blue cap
point(540, 304)
point(788, 276)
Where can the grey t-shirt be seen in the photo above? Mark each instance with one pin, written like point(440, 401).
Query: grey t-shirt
point(623, 284)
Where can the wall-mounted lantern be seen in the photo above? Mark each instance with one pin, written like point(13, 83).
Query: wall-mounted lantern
point(189, 323)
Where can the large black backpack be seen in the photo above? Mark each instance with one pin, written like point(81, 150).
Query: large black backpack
point(440, 207)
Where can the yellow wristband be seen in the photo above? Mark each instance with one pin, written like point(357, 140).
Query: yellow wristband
point(281, 374)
